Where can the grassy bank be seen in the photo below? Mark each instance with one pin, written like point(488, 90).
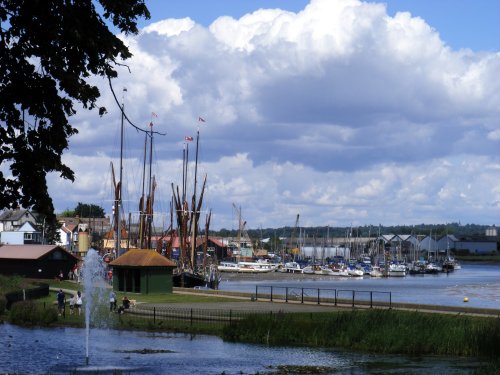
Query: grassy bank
point(380, 331)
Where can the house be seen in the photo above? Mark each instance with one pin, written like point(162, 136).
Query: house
point(12, 220)
point(25, 235)
point(109, 241)
point(68, 237)
point(36, 261)
point(142, 271)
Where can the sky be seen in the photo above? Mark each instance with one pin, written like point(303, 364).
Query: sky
point(342, 111)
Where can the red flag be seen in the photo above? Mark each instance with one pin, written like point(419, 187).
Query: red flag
point(201, 119)
point(188, 138)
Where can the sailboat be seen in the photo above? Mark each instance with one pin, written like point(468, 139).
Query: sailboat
point(188, 275)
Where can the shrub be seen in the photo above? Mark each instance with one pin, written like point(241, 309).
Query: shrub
point(28, 313)
point(3, 304)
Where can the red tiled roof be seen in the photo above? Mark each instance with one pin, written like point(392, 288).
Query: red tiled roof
point(143, 258)
point(71, 227)
point(28, 251)
point(216, 241)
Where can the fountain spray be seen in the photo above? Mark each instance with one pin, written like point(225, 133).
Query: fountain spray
point(94, 286)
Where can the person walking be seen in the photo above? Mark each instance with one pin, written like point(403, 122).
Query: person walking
point(79, 302)
point(72, 301)
point(112, 301)
point(60, 301)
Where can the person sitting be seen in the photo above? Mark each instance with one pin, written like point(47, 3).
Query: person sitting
point(125, 305)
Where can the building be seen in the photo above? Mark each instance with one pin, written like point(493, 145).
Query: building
point(25, 235)
point(142, 271)
point(12, 220)
point(36, 261)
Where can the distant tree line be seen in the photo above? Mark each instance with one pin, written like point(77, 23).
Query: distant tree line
point(85, 210)
point(438, 230)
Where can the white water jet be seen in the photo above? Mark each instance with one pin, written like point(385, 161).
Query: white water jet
point(95, 292)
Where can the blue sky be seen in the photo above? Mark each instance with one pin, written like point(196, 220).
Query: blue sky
point(342, 111)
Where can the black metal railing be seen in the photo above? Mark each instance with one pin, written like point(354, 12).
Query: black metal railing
point(323, 296)
point(157, 313)
point(40, 291)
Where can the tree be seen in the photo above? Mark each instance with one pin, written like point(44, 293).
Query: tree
point(89, 210)
point(49, 49)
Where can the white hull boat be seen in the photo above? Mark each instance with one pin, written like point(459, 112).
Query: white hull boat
point(397, 270)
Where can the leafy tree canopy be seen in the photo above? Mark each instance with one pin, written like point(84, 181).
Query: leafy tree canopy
point(49, 49)
point(89, 210)
point(67, 213)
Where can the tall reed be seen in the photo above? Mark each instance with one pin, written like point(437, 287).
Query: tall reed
point(381, 331)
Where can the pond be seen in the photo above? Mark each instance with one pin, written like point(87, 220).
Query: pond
point(62, 351)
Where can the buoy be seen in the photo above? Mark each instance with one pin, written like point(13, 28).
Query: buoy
point(466, 299)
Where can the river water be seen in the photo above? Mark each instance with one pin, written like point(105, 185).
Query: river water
point(62, 350)
point(480, 283)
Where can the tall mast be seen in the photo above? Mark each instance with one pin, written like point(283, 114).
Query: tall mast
point(141, 205)
point(195, 214)
point(119, 198)
point(151, 190)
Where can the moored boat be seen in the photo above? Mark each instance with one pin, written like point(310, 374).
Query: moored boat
point(397, 270)
point(291, 267)
point(228, 267)
point(376, 272)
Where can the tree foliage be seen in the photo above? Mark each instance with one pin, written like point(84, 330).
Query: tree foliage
point(49, 50)
point(89, 210)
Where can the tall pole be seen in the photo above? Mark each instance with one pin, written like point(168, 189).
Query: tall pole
point(119, 193)
point(150, 182)
point(194, 220)
point(142, 208)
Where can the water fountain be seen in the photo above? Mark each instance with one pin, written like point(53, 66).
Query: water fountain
point(95, 293)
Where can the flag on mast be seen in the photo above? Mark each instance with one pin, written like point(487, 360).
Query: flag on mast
point(201, 119)
point(153, 114)
point(188, 138)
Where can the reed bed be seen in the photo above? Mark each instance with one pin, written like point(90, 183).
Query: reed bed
point(380, 331)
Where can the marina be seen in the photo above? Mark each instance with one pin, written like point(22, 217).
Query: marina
point(479, 282)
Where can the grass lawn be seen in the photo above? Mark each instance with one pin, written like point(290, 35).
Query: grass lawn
point(140, 298)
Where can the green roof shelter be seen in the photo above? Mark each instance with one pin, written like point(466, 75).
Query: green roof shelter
point(142, 271)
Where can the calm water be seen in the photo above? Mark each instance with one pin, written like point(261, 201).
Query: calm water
point(480, 283)
point(62, 351)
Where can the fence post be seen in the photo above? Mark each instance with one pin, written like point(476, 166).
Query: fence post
point(191, 317)
point(271, 293)
point(390, 300)
point(318, 297)
point(335, 297)
point(353, 293)
point(256, 291)
point(371, 299)
point(154, 314)
point(230, 316)
point(286, 294)
point(302, 298)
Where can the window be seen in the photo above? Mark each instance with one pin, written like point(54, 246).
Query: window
point(28, 236)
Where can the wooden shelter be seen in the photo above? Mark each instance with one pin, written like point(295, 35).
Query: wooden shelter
point(36, 261)
point(142, 271)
